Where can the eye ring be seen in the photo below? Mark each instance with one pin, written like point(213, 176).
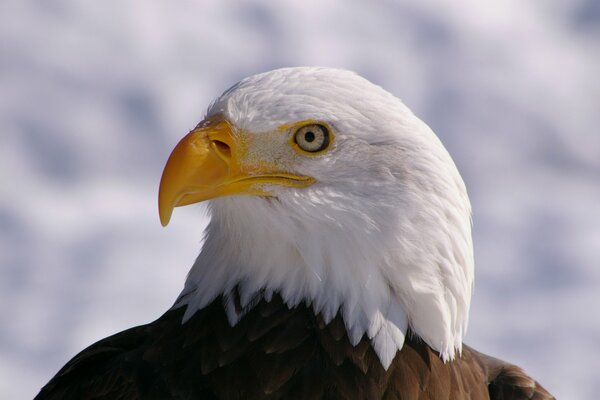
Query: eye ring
point(312, 138)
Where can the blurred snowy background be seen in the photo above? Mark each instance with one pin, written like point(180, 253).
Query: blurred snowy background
point(94, 95)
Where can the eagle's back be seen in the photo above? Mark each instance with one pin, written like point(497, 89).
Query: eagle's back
point(273, 353)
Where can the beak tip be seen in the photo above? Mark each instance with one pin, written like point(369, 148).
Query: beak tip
point(165, 216)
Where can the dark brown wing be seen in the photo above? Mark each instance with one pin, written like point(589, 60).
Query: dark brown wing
point(509, 382)
point(120, 366)
point(273, 353)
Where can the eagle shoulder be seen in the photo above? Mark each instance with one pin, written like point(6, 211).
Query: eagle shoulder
point(274, 352)
point(507, 381)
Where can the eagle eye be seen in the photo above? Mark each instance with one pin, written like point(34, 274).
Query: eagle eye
point(312, 138)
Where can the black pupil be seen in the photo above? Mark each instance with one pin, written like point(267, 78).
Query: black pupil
point(309, 136)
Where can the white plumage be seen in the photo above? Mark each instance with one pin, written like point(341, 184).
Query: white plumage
point(383, 236)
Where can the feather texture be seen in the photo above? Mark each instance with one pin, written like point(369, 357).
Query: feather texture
point(298, 356)
point(357, 286)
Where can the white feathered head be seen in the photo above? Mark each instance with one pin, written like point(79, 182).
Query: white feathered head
point(326, 189)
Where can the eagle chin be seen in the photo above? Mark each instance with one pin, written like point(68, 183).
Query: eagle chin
point(338, 262)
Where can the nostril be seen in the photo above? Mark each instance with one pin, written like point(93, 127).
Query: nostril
point(222, 149)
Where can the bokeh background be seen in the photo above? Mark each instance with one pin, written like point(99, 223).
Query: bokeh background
point(94, 95)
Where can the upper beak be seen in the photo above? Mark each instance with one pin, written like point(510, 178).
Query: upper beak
point(206, 164)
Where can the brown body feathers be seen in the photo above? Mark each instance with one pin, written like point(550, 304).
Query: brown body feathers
point(274, 353)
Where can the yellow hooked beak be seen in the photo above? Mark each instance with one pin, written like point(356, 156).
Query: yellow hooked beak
point(208, 163)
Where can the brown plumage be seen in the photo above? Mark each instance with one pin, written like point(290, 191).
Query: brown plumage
point(274, 353)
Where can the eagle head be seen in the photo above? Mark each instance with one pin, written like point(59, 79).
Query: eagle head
point(326, 189)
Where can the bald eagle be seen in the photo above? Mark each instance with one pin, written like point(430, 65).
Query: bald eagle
point(337, 264)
